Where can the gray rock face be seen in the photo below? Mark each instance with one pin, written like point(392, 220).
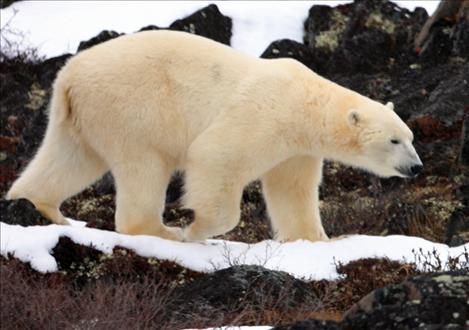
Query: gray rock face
point(437, 301)
point(446, 103)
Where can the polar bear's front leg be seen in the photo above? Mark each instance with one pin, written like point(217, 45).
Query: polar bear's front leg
point(215, 201)
point(213, 184)
point(291, 193)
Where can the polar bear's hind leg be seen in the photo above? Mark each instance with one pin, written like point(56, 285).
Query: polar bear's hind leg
point(62, 167)
point(291, 192)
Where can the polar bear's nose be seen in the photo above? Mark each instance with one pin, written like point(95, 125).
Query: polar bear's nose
point(416, 169)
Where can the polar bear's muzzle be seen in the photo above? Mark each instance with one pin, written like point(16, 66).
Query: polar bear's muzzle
point(413, 165)
point(411, 171)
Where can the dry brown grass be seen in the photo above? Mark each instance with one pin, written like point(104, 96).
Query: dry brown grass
point(128, 291)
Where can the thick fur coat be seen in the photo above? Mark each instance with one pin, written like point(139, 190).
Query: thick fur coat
point(147, 104)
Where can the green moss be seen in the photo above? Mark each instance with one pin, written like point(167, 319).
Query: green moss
point(329, 40)
point(377, 21)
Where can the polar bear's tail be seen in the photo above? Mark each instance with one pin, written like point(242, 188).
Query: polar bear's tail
point(63, 165)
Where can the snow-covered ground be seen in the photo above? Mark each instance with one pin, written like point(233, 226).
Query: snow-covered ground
point(302, 259)
point(57, 27)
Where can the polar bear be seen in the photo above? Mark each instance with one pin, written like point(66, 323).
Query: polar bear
point(147, 104)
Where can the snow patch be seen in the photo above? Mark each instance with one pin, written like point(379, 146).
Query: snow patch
point(302, 259)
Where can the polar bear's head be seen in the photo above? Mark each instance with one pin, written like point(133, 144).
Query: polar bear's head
point(380, 141)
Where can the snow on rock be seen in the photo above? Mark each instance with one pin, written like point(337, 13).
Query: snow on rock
point(57, 27)
point(302, 259)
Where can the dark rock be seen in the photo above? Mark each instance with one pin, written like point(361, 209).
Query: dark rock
point(366, 51)
point(439, 44)
point(442, 113)
point(297, 51)
point(21, 212)
point(7, 174)
point(458, 227)
point(311, 325)
point(66, 252)
point(101, 37)
point(232, 288)
point(324, 26)
point(49, 68)
point(175, 188)
point(436, 301)
point(149, 28)
point(207, 22)
point(105, 186)
point(464, 151)
point(363, 36)
point(461, 39)
point(6, 3)
point(35, 124)
point(431, 99)
point(462, 193)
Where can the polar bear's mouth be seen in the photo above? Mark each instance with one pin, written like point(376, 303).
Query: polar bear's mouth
point(411, 171)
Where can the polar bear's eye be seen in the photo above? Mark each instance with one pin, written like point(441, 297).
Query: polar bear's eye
point(394, 141)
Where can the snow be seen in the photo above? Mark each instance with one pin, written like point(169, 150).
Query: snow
point(302, 259)
point(57, 27)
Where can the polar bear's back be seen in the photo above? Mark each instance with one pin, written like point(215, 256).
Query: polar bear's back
point(163, 86)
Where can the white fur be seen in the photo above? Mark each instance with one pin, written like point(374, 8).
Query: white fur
point(146, 104)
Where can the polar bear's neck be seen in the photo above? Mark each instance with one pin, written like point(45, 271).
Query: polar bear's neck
point(328, 133)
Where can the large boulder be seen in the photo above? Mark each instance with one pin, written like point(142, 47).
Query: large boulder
point(443, 111)
point(365, 35)
point(240, 286)
point(207, 22)
point(436, 301)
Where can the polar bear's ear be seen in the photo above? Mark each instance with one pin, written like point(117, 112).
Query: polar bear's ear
point(353, 117)
point(390, 105)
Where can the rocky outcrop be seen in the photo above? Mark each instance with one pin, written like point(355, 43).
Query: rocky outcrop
point(21, 212)
point(444, 108)
point(207, 22)
point(363, 36)
point(233, 288)
point(437, 301)
point(101, 37)
point(298, 51)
